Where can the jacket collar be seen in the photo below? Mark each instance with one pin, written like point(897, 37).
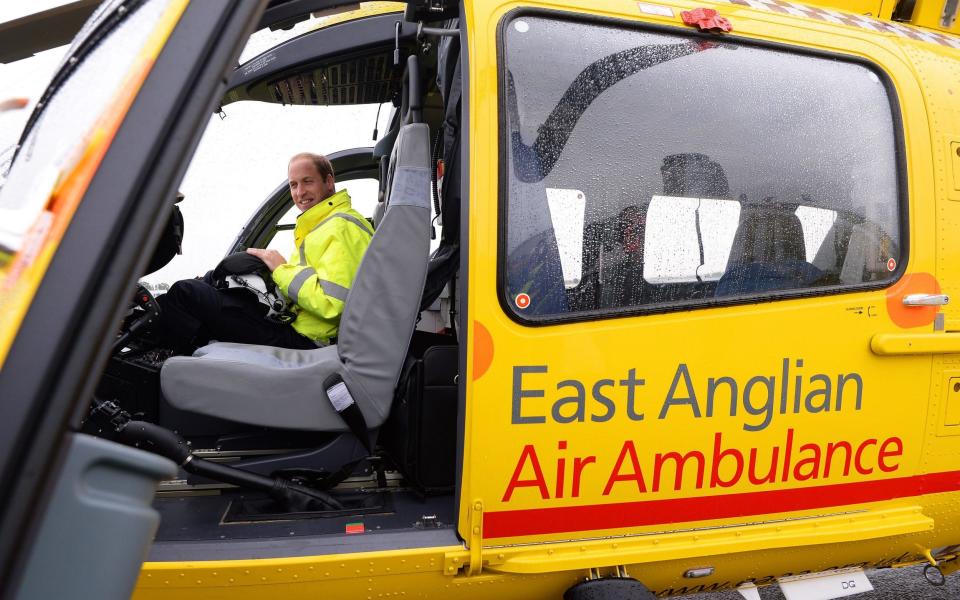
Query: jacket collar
point(311, 217)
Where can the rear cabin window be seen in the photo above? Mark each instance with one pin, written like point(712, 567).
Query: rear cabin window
point(646, 171)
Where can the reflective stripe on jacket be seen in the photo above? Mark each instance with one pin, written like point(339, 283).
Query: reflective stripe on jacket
point(330, 240)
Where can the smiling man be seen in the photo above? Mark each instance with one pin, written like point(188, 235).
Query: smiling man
point(331, 238)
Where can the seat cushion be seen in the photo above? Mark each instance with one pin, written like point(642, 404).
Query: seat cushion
point(260, 385)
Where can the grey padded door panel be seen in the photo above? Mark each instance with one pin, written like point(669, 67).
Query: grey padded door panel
point(98, 525)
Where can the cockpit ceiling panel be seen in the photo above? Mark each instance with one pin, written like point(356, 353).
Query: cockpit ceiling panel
point(346, 63)
point(369, 79)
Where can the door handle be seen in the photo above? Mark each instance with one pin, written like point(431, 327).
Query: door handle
point(891, 344)
point(926, 300)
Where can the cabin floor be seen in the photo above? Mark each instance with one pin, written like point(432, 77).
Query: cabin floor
point(233, 524)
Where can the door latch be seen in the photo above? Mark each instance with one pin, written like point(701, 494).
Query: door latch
point(926, 300)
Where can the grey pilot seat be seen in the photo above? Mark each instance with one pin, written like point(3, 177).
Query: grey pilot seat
point(768, 253)
point(287, 389)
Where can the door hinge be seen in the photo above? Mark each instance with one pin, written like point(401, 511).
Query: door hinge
point(470, 558)
point(476, 538)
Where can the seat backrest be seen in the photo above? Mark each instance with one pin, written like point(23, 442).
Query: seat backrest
point(865, 259)
point(382, 306)
point(768, 254)
point(768, 237)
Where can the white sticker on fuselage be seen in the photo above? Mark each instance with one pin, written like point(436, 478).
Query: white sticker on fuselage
point(825, 585)
point(655, 9)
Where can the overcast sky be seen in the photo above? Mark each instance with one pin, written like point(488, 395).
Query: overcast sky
point(25, 78)
point(240, 160)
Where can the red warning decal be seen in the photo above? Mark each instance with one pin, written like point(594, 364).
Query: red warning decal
point(522, 301)
point(353, 528)
point(892, 264)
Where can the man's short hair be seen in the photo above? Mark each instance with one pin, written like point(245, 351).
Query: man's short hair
point(319, 161)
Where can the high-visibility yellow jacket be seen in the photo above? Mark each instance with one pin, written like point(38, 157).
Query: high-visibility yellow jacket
point(330, 240)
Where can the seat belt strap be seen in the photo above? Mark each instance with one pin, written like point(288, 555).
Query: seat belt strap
point(343, 402)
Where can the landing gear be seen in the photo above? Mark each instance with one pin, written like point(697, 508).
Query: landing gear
point(618, 587)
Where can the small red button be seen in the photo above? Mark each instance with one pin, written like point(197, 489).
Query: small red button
point(522, 301)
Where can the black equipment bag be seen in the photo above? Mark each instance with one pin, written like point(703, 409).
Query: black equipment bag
point(421, 434)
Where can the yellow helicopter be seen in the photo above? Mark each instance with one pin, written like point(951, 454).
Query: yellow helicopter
point(686, 327)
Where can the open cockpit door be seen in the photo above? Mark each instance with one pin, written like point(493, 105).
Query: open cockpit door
point(86, 193)
point(72, 263)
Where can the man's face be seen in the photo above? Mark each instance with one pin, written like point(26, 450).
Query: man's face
point(306, 185)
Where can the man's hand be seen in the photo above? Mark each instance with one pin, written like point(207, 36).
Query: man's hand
point(271, 258)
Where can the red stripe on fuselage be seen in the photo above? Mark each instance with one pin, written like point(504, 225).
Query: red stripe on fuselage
point(541, 521)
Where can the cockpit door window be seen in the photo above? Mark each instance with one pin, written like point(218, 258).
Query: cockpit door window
point(709, 172)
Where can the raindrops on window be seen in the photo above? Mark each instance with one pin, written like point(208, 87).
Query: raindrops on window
point(649, 170)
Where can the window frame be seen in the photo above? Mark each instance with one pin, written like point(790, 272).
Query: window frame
point(503, 183)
